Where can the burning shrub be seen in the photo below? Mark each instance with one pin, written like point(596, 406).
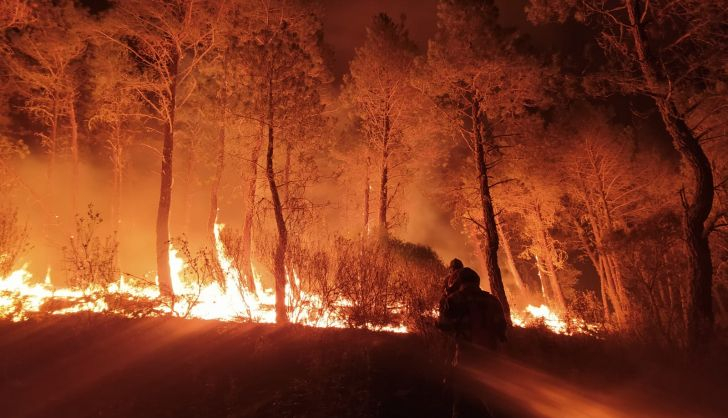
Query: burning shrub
point(13, 239)
point(198, 272)
point(91, 258)
point(386, 282)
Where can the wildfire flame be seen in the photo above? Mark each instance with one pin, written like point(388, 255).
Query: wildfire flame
point(227, 301)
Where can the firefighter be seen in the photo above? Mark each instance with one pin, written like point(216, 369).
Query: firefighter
point(472, 314)
point(475, 319)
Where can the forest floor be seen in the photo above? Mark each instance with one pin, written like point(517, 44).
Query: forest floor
point(81, 366)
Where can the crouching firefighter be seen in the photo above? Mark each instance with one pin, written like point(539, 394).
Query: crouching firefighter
point(474, 318)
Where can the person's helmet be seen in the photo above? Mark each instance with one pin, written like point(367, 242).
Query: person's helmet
point(468, 276)
point(456, 264)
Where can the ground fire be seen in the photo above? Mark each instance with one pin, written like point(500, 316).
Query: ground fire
point(323, 208)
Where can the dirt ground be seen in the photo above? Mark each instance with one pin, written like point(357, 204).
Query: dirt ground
point(80, 366)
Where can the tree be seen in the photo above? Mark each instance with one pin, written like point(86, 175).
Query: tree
point(481, 82)
point(378, 85)
point(43, 60)
point(668, 51)
point(15, 13)
point(115, 108)
point(168, 39)
point(282, 69)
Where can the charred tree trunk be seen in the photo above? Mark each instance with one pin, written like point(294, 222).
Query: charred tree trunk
point(383, 188)
point(697, 206)
point(279, 257)
point(247, 241)
point(165, 192)
point(483, 132)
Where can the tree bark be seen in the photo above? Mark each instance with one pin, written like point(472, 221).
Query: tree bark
point(247, 239)
point(367, 192)
point(165, 192)
point(217, 270)
point(700, 318)
point(50, 186)
point(548, 259)
point(117, 161)
point(279, 257)
point(74, 153)
point(482, 132)
point(214, 193)
point(517, 280)
point(383, 188)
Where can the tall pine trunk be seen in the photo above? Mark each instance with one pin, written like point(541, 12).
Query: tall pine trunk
point(50, 203)
point(165, 189)
point(548, 260)
point(697, 206)
point(74, 153)
point(517, 280)
point(483, 132)
point(384, 181)
point(279, 257)
point(367, 192)
point(247, 239)
point(214, 197)
point(217, 270)
point(117, 162)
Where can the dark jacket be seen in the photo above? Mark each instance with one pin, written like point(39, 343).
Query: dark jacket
point(474, 315)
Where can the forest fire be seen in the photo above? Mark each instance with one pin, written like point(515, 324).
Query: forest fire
point(540, 178)
point(231, 301)
point(20, 298)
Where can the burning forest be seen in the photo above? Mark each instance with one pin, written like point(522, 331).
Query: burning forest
point(440, 208)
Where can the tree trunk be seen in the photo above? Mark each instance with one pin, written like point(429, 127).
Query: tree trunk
point(517, 280)
point(217, 270)
point(117, 157)
point(696, 207)
point(383, 187)
point(367, 192)
point(247, 239)
point(548, 259)
point(117, 161)
point(482, 132)
point(50, 202)
point(187, 174)
point(165, 192)
point(74, 153)
point(279, 258)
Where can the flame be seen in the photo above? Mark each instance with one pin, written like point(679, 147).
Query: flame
point(543, 315)
point(227, 301)
point(230, 300)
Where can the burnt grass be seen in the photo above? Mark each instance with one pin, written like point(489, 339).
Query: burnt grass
point(101, 366)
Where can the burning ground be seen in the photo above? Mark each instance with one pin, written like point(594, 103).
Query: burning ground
point(85, 365)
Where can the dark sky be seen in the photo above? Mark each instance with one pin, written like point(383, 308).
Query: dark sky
point(345, 22)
